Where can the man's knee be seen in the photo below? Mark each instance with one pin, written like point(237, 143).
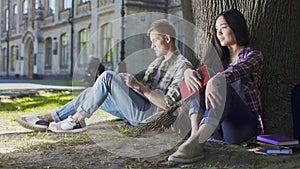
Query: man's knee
point(105, 77)
point(107, 74)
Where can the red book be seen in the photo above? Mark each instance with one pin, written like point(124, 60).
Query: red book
point(185, 93)
point(277, 139)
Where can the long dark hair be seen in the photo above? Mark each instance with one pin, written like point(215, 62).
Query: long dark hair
point(237, 23)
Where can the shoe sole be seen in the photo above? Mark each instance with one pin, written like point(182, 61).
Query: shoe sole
point(56, 128)
point(184, 161)
point(67, 131)
point(28, 126)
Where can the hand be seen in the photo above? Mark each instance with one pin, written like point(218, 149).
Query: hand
point(192, 79)
point(130, 80)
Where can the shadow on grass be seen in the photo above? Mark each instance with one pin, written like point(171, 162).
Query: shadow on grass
point(36, 101)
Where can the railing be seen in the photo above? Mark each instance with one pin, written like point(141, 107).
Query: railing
point(84, 8)
point(13, 31)
point(49, 19)
point(4, 35)
point(64, 15)
point(103, 3)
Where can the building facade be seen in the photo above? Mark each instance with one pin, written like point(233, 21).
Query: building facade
point(54, 38)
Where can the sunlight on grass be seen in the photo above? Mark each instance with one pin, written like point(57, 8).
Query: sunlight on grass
point(40, 140)
point(38, 105)
point(10, 143)
point(38, 101)
point(33, 105)
point(14, 137)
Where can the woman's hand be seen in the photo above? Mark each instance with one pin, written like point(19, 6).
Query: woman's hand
point(130, 80)
point(192, 79)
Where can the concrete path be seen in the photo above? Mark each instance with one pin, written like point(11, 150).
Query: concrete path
point(28, 84)
point(18, 88)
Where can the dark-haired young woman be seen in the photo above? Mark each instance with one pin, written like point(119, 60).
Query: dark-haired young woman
point(230, 107)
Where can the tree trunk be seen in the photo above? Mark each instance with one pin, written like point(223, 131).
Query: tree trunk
point(274, 29)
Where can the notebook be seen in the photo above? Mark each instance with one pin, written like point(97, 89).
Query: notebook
point(277, 139)
point(268, 150)
point(185, 93)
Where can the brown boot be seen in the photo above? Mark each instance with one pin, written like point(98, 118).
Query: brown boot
point(188, 152)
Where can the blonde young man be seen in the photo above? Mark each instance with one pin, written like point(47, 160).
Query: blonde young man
point(117, 93)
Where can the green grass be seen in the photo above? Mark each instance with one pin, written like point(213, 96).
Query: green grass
point(33, 105)
point(16, 139)
point(36, 102)
point(61, 82)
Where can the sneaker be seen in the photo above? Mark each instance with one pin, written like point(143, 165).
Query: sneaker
point(68, 126)
point(188, 153)
point(36, 123)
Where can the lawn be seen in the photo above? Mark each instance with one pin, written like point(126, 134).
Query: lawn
point(41, 103)
point(38, 104)
point(22, 148)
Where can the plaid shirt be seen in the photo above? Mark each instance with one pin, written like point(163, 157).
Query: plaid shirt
point(171, 75)
point(248, 70)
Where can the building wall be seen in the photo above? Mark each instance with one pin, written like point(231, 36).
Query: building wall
point(37, 26)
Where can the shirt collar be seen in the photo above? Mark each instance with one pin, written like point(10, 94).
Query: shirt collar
point(173, 58)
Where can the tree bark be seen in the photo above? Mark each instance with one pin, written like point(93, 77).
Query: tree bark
point(274, 29)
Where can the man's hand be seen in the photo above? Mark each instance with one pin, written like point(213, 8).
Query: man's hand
point(130, 80)
point(154, 97)
point(192, 79)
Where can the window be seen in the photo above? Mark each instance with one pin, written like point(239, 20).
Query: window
point(15, 16)
point(6, 19)
point(107, 43)
point(48, 54)
point(4, 60)
point(67, 4)
point(64, 56)
point(25, 7)
point(13, 58)
point(84, 1)
point(51, 7)
point(37, 4)
point(84, 46)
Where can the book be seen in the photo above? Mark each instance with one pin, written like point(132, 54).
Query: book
point(270, 150)
point(277, 139)
point(185, 93)
point(295, 147)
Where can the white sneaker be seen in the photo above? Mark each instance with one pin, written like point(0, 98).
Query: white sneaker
point(68, 125)
point(36, 123)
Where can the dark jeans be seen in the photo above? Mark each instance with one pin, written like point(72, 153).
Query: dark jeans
point(238, 123)
point(296, 111)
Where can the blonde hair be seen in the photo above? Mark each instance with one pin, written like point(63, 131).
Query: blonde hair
point(163, 27)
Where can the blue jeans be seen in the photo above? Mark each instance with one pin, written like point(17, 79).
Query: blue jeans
point(238, 123)
point(110, 94)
